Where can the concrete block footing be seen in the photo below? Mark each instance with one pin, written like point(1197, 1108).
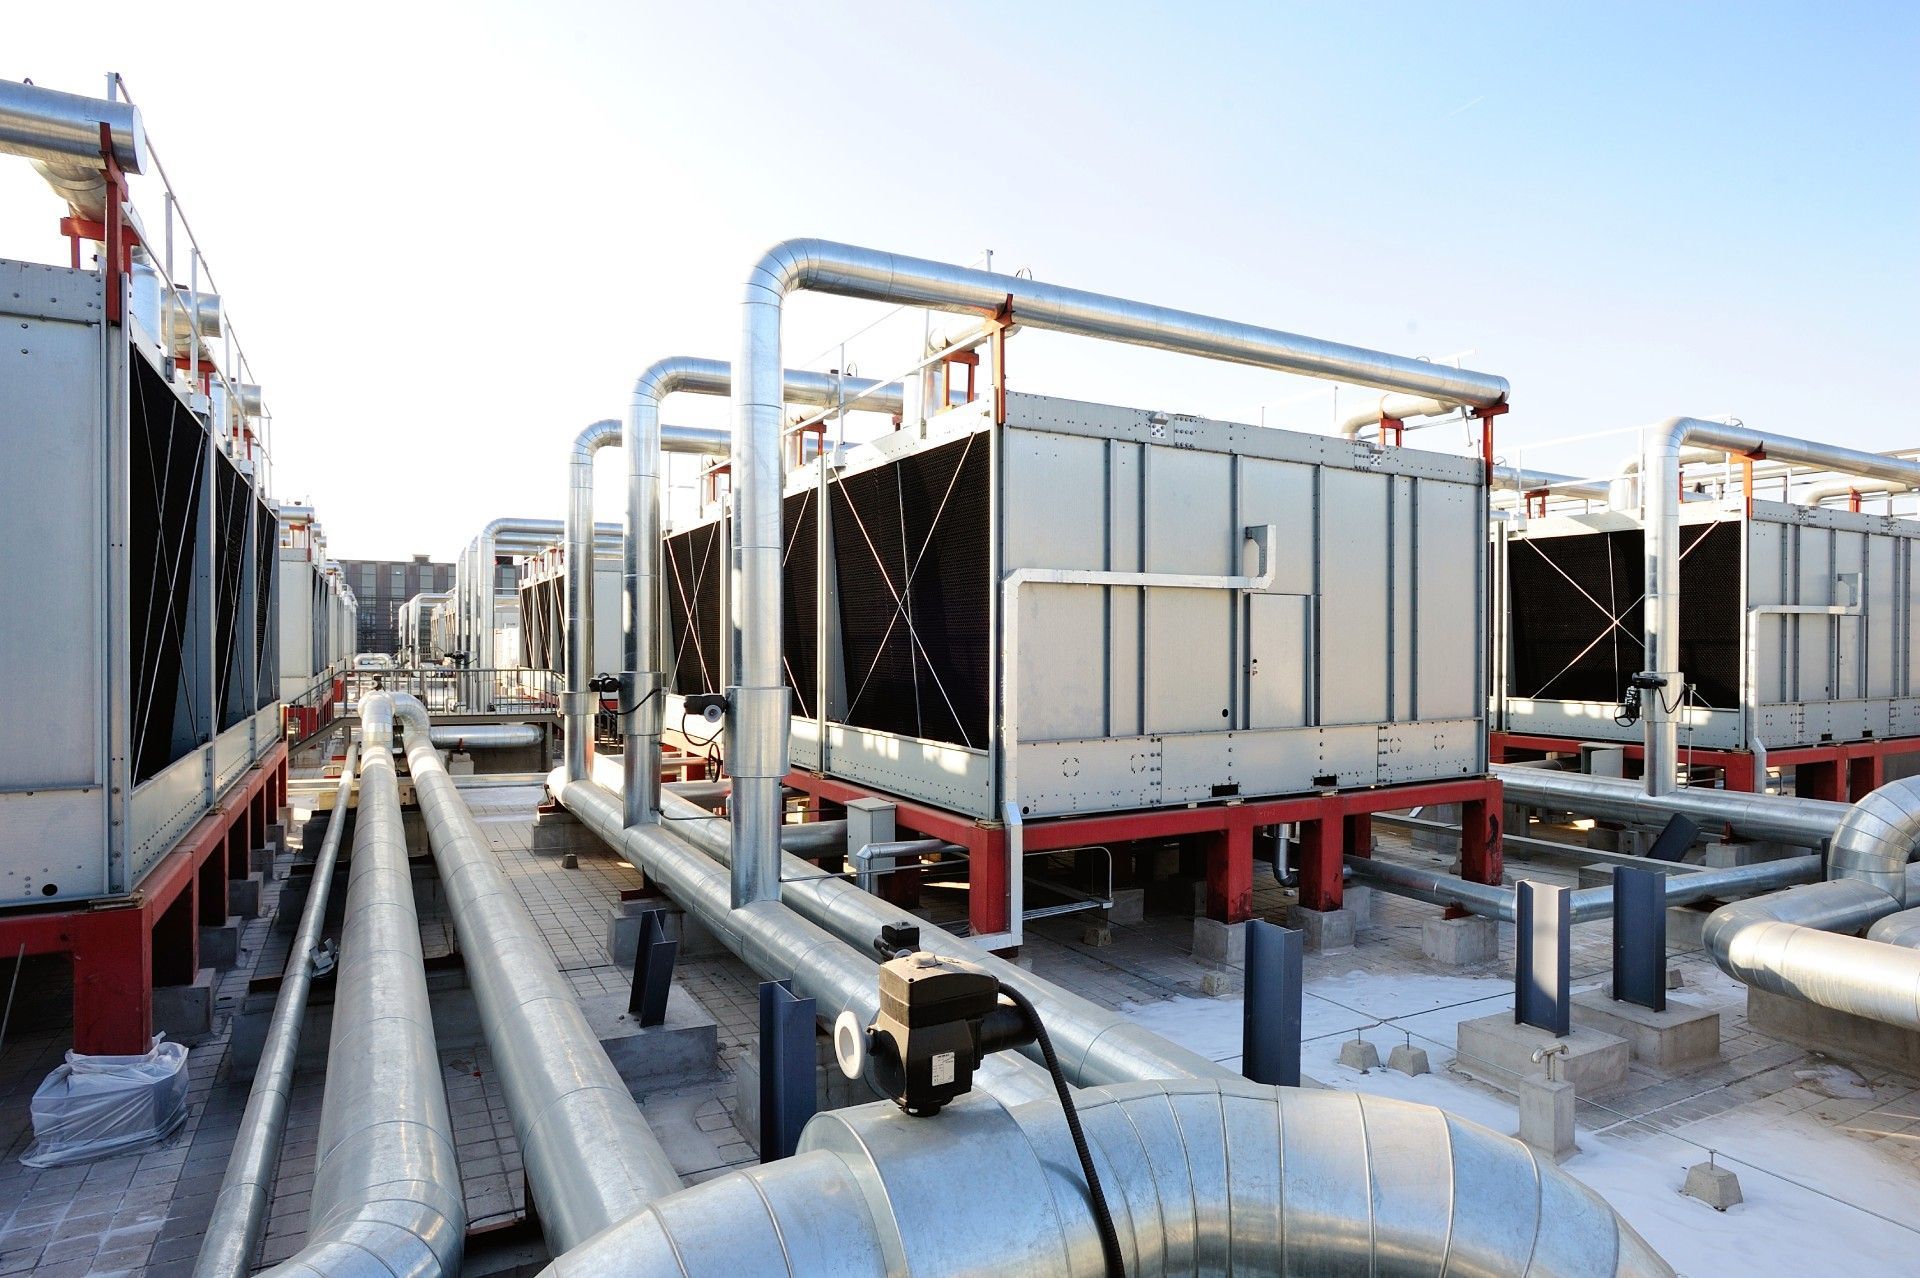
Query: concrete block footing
point(1358, 1053)
point(556, 833)
point(259, 859)
point(1497, 1051)
point(184, 1013)
point(623, 931)
point(1217, 942)
point(1409, 1060)
point(1683, 1035)
point(832, 1089)
point(1460, 942)
point(1221, 983)
point(1713, 1185)
point(1325, 929)
point(220, 945)
point(1129, 906)
point(682, 1048)
point(1099, 935)
point(243, 897)
point(1546, 1116)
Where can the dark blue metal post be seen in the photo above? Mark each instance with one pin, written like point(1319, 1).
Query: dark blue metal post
point(1640, 937)
point(1674, 839)
point(1270, 1024)
point(1542, 952)
point(653, 959)
point(787, 1061)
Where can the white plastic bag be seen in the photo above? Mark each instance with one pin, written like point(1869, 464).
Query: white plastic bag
point(98, 1106)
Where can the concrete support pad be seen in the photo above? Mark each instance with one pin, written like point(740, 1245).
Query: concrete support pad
point(1129, 906)
point(1713, 1185)
point(1546, 1117)
point(243, 897)
point(276, 836)
point(260, 859)
point(1325, 929)
point(1358, 1053)
point(1685, 923)
point(220, 946)
point(1599, 874)
point(1684, 1035)
point(1217, 942)
point(685, 1047)
point(184, 1013)
point(623, 931)
point(1495, 1050)
point(1460, 942)
point(554, 833)
point(1409, 1060)
point(1839, 1034)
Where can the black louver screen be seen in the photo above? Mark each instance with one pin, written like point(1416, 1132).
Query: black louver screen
point(266, 610)
point(232, 502)
point(693, 569)
point(1577, 614)
point(800, 597)
point(911, 544)
point(163, 535)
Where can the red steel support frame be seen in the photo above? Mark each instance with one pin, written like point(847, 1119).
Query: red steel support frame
point(1839, 772)
point(122, 948)
point(1331, 826)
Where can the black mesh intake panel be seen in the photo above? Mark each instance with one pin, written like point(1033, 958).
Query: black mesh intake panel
point(800, 597)
point(1566, 595)
point(911, 547)
point(693, 570)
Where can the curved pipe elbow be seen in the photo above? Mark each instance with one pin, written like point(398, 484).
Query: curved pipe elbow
point(1877, 837)
point(605, 433)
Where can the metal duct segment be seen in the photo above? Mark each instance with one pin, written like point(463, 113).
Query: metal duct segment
point(1786, 944)
point(60, 133)
point(1095, 1045)
point(759, 703)
point(1849, 488)
point(232, 1235)
point(1878, 836)
point(643, 684)
point(577, 702)
point(1202, 1177)
point(1514, 479)
point(467, 737)
point(1660, 451)
point(590, 1157)
point(1394, 408)
point(1805, 823)
point(386, 1188)
point(1902, 929)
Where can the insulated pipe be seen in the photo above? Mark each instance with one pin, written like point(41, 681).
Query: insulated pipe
point(1785, 944)
point(1394, 408)
point(386, 1188)
point(468, 737)
point(474, 573)
point(577, 702)
point(60, 133)
point(590, 1157)
point(1660, 468)
point(1205, 1176)
point(1856, 487)
point(758, 706)
point(1514, 479)
point(1805, 823)
point(232, 1236)
point(1095, 1044)
point(1902, 929)
point(643, 684)
point(1586, 905)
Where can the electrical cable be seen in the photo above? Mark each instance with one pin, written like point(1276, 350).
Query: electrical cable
point(1102, 1216)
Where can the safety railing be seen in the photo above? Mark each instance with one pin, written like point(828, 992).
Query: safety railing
point(454, 690)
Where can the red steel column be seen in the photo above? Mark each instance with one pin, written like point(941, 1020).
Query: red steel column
point(1820, 780)
point(1865, 774)
point(1480, 854)
point(112, 983)
point(987, 877)
point(1322, 861)
point(1229, 853)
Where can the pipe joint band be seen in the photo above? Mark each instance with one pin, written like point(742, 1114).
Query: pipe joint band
point(757, 727)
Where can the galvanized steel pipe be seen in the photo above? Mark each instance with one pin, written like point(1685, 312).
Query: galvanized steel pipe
point(1204, 1176)
point(590, 1157)
point(1661, 449)
point(386, 1187)
point(1394, 408)
point(232, 1235)
point(60, 133)
point(1805, 822)
point(759, 703)
point(643, 683)
point(577, 702)
point(464, 738)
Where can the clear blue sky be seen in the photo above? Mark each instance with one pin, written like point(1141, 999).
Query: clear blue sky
point(451, 234)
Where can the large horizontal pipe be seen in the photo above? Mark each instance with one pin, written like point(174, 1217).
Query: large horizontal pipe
point(386, 1178)
point(1096, 1045)
point(60, 133)
point(232, 1235)
point(1786, 944)
point(1807, 823)
point(589, 1154)
point(1394, 408)
point(1192, 1173)
point(465, 738)
point(1587, 904)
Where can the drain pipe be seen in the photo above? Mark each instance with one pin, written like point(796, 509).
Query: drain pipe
point(1750, 665)
point(386, 1181)
point(758, 704)
point(1192, 1173)
point(590, 1157)
point(1661, 449)
point(643, 685)
point(232, 1237)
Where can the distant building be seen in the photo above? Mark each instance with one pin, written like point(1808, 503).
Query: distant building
point(382, 586)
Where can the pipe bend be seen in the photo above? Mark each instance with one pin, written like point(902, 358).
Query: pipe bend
point(663, 377)
point(602, 434)
point(1876, 838)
